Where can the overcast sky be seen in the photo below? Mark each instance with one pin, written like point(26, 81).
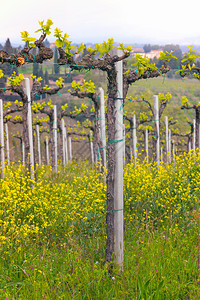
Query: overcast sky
point(128, 21)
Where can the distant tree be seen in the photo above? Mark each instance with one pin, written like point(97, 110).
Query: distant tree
point(1, 46)
point(40, 72)
point(155, 47)
point(147, 48)
point(46, 43)
point(7, 47)
point(56, 65)
point(46, 77)
point(6, 68)
point(25, 56)
point(174, 63)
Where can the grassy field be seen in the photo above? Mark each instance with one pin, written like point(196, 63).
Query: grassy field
point(177, 88)
point(53, 233)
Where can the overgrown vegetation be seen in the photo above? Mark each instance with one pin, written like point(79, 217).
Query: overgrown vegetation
point(53, 233)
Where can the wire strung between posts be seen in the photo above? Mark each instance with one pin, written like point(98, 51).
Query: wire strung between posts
point(98, 154)
point(180, 73)
point(15, 60)
point(26, 57)
point(115, 141)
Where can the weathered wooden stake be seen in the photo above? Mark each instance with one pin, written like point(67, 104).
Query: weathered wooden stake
point(55, 135)
point(2, 138)
point(66, 146)
point(194, 135)
point(147, 145)
point(30, 126)
point(199, 139)
point(38, 145)
point(134, 140)
point(63, 141)
point(23, 151)
point(161, 154)
point(169, 145)
point(173, 150)
point(156, 118)
point(102, 124)
point(47, 149)
point(70, 149)
point(91, 149)
point(7, 145)
point(167, 138)
point(124, 135)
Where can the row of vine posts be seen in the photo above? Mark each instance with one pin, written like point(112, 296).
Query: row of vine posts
point(118, 84)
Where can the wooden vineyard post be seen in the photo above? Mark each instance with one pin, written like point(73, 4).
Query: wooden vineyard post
point(91, 149)
point(70, 149)
point(161, 154)
point(30, 128)
point(156, 119)
point(66, 147)
point(124, 151)
point(199, 139)
point(23, 151)
point(7, 145)
point(64, 140)
point(169, 145)
point(147, 145)
point(102, 124)
point(173, 150)
point(38, 145)
point(189, 147)
point(55, 136)
point(2, 138)
point(167, 138)
point(134, 140)
point(194, 135)
point(47, 149)
point(118, 176)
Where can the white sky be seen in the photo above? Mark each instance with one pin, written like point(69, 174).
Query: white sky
point(128, 21)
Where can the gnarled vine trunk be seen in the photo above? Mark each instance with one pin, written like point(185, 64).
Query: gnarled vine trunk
point(112, 94)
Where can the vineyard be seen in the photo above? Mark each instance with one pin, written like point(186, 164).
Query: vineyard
point(99, 193)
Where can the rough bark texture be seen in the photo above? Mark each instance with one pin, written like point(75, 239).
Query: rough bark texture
point(112, 94)
point(25, 56)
